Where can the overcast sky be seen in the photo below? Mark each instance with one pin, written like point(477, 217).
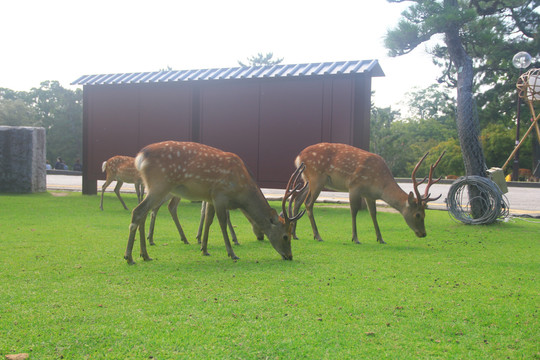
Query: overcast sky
point(64, 39)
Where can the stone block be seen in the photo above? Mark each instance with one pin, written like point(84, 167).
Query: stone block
point(22, 159)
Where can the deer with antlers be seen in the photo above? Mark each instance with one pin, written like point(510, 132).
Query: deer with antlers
point(122, 169)
point(363, 175)
point(200, 172)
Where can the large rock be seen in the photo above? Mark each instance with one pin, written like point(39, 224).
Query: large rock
point(22, 160)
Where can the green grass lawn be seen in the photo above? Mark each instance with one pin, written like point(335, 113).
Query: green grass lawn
point(463, 292)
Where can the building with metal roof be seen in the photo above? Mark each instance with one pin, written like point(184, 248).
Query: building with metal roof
point(265, 114)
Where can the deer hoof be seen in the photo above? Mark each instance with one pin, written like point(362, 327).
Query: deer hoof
point(129, 260)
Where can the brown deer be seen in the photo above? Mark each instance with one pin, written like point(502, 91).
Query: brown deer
point(122, 169)
point(364, 175)
point(200, 172)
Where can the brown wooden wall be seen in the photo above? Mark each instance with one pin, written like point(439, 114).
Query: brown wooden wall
point(267, 122)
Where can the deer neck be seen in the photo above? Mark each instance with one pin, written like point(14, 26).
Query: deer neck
point(394, 196)
point(258, 209)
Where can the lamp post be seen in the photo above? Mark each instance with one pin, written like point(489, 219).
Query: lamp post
point(521, 61)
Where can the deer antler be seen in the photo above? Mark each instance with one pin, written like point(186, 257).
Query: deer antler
point(294, 188)
point(426, 198)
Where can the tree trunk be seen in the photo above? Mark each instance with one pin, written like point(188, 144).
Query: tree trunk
point(467, 125)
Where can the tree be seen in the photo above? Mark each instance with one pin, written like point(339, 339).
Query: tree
point(16, 113)
point(261, 60)
point(480, 38)
point(52, 107)
point(423, 20)
point(498, 143)
point(433, 102)
point(390, 136)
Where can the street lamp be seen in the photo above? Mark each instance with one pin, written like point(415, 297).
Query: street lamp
point(521, 61)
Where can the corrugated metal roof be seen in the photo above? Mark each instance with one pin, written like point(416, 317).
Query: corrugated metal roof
point(271, 71)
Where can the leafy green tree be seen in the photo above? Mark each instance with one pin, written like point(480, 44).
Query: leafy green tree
point(433, 102)
point(261, 60)
point(498, 142)
point(452, 161)
point(16, 112)
point(403, 143)
point(53, 107)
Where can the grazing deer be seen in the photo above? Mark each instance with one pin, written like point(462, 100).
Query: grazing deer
point(364, 175)
point(122, 169)
point(200, 172)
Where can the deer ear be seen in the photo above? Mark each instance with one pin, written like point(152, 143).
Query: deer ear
point(411, 200)
point(275, 219)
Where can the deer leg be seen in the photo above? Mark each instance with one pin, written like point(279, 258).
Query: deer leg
point(223, 215)
point(139, 190)
point(372, 207)
point(231, 229)
point(310, 201)
point(117, 192)
point(300, 199)
point(142, 239)
point(355, 202)
point(140, 196)
point(209, 218)
point(201, 222)
point(107, 183)
point(152, 224)
point(138, 217)
point(173, 206)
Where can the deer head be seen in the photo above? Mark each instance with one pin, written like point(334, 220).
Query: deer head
point(414, 213)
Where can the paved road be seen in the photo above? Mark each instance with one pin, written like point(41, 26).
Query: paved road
point(522, 200)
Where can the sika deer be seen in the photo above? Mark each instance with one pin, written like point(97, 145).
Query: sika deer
point(200, 172)
point(122, 169)
point(364, 175)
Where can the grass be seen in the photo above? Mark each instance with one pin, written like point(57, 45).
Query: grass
point(464, 292)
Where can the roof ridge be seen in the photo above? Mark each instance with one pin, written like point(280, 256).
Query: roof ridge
point(249, 72)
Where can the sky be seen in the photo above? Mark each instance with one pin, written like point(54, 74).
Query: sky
point(65, 39)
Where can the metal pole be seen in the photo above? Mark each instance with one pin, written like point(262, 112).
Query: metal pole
point(515, 170)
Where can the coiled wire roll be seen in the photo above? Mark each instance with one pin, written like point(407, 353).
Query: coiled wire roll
point(489, 202)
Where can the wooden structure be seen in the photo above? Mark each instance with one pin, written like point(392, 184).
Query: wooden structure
point(266, 115)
